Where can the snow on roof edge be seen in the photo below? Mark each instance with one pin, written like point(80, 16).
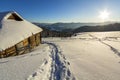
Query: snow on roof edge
point(11, 12)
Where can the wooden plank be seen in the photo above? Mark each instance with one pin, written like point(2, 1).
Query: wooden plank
point(10, 51)
point(2, 54)
point(37, 39)
point(27, 49)
point(25, 42)
point(20, 48)
point(32, 41)
point(19, 45)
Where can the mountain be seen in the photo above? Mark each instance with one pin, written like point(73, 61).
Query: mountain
point(68, 29)
point(108, 27)
point(67, 26)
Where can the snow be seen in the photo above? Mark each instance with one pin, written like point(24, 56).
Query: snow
point(92, 55)
point(43, 72)
point(55, 68)
point(87, 56)
point(89, 63)
point(13, 31)
point(46, 62)
point(20, 67)
point(3, 15)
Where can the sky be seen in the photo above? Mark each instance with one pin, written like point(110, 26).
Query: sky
point(52, 11)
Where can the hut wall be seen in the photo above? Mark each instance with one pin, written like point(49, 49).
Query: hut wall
point(32, 42)
point(26, 45)
point(10, 51)
point(2, 54)
point(22, 47)
point(38, 40)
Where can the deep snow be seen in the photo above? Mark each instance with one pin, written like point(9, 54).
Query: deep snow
point(92, 56)
point(56, 67)
point(46, 62)
point(87, 56)
point(20, 67)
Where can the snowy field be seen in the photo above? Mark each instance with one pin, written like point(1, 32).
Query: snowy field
point(92, 56)
point(87, 56)
point(20, 67)
point(46, 62)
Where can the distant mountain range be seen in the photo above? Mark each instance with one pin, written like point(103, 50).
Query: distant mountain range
point(68, 29)
point(68, 26)
point(99, 28)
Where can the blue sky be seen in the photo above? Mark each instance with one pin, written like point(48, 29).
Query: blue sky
point(62, 10)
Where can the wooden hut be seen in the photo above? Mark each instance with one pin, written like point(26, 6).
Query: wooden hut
point(17, 36)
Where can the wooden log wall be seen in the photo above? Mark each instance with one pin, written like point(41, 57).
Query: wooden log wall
point(26, 45)
point(2, 54)
point(10, 51)
point(32, 42)
point(38, 40)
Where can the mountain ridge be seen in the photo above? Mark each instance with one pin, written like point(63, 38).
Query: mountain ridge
point(60, 26)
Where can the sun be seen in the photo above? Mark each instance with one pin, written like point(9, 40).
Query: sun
point(104, 15)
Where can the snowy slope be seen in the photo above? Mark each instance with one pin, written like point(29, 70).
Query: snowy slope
point(56, 67)
point(20, 67)
point(92, 56)
point(46, 62)
point(87, 56)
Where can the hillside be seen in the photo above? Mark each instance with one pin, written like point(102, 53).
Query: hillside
point(66, 26)
point(86, 56)
point(109, 27)
point(54, 33)
point(92, 55)
point(68, 29)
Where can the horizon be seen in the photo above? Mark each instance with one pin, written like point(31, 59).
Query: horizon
point(65, 11)
point(78, 22)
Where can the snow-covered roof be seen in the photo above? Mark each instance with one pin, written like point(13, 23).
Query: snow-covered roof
point(13, 31)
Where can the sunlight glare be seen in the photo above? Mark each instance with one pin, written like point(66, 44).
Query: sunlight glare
point(104, 15)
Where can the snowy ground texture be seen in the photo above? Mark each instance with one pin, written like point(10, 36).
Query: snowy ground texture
point(46, 62)
point(87, 56)
point(56, 67)
point(20, 67)
point(92, 56)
